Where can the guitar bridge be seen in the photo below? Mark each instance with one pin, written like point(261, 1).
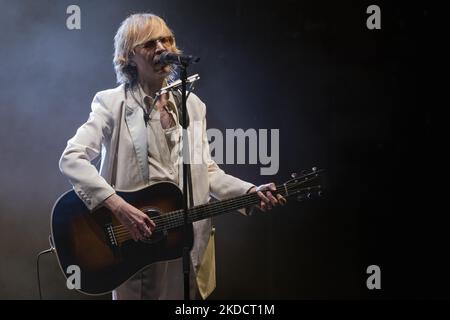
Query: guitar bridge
point(110, 235)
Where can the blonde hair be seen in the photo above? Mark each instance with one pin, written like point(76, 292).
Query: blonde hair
point(136, 30)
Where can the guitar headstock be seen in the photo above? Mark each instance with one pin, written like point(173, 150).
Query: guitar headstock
point(306, 185)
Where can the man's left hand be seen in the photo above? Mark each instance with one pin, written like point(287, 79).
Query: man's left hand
point(268, 200)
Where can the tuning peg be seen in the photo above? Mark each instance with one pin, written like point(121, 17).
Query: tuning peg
point(294, 175)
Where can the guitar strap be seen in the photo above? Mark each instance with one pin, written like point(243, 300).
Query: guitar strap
point(116, 152)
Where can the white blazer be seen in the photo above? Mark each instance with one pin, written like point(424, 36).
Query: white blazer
point(116, 131)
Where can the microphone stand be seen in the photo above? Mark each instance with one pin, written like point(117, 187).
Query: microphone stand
point(186, 176)
point(187, 183)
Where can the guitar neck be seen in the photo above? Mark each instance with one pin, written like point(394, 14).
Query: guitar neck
point(223, 206)
point(175, 219)
point(300, 187)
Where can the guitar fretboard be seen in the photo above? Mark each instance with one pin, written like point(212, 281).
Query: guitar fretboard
point(175, 219)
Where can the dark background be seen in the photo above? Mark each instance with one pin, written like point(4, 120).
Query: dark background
point(359, 103)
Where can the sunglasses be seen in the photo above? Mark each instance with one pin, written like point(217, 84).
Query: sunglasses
point(165, 41)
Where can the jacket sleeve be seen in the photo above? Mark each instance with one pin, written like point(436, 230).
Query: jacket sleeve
point(222, 185)
point(85, 146)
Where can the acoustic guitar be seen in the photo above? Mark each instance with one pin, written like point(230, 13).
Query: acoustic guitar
point(103, 248)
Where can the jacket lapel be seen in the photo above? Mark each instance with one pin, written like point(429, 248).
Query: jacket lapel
point(134, 117)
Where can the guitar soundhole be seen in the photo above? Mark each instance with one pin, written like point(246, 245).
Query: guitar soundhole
point(154, 214)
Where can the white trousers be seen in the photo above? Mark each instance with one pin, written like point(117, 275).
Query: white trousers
point(160, 281)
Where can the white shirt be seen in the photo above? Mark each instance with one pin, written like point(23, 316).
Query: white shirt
point(164, 145)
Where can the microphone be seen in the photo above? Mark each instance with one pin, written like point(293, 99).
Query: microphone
point(166, 58)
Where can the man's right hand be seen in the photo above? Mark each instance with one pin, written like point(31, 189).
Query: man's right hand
point(135, 221)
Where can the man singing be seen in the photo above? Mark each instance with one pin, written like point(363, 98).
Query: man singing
point(139, 139)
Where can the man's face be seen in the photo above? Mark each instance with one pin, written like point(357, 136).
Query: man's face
point(145, 55)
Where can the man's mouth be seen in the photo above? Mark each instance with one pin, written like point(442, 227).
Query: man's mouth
point(156, 60)
point(160, 68)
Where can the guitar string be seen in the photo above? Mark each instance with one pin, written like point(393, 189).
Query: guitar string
point(125, 235)
point(174, 216)
point(172, 219)
point(199, 210)
point(176, 219)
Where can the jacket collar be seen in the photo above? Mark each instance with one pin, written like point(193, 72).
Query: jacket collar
point(134, 117)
